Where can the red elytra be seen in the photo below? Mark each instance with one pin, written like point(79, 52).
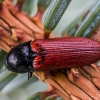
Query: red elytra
point(69, 52)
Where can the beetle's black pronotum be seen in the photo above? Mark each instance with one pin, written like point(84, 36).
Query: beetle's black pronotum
point(19, 59)
point(49, 54)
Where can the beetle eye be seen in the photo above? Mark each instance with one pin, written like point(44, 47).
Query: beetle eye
point(20, 59)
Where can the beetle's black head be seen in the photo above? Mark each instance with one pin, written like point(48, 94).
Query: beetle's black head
point(20, 59)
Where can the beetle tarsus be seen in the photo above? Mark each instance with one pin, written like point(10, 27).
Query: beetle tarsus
point(29, 75)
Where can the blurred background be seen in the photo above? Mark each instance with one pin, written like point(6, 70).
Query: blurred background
point(18, 87)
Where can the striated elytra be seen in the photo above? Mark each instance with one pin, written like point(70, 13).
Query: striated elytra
point(49, 54)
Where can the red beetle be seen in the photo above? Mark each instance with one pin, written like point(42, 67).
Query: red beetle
point(49, 54)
